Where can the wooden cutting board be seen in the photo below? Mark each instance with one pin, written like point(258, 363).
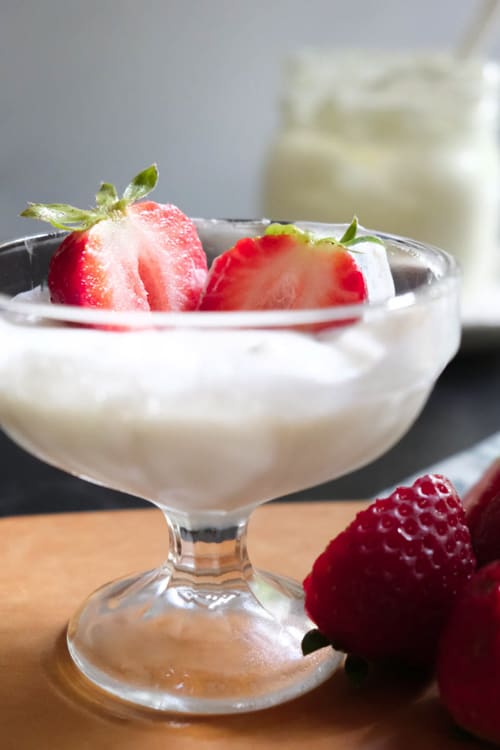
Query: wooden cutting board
point(51, 563)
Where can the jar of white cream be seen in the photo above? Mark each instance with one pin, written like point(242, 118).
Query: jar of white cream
point(407, 142)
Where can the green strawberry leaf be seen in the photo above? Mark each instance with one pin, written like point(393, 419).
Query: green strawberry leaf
point(348, 239)
point(350, 232)
point(61, 215)
point(289, 229)
point(313, 641)
point(108, 205)
point(106, 195)
point(356, 669)
point(141, 185)
point(363, 238)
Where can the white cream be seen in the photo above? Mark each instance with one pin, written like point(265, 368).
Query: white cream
point(408, 142)
point(206, 422)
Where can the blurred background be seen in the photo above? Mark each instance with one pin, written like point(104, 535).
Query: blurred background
point(97, 90)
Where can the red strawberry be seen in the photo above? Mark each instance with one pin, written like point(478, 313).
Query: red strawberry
point(125, 256)
point(383, 588)
point(286, 269)
point(468, 662)
point(482, 507)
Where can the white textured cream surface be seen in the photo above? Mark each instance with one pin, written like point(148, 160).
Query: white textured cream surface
point(203, 420)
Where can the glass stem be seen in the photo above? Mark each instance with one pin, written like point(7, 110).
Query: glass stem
point(208, 554)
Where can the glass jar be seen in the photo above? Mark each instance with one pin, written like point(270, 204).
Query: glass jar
point(408, 143)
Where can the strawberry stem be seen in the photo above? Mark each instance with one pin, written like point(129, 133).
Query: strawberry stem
point(356, 669)
point(348, 239)
point(108, 205)
point(106, 195)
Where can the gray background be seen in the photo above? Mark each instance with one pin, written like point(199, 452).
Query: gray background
point(99, 89)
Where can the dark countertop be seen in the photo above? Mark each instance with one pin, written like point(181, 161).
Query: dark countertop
point(464, 408)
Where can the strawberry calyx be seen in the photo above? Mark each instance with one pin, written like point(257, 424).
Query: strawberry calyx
point(349, 239)
point(313, 640)
point(108, 204)
point(356, 668)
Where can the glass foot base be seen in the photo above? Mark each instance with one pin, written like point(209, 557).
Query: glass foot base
point(168, 643)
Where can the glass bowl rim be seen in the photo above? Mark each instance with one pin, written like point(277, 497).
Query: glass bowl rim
point(244, 318)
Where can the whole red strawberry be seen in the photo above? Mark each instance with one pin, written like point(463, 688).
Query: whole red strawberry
point(383, 588)
point(124, 255)
point(468, 662)
point(482, 509)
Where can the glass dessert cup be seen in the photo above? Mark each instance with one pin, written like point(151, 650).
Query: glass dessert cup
point(208, 415)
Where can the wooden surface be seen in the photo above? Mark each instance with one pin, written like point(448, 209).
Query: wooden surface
point(51, 563)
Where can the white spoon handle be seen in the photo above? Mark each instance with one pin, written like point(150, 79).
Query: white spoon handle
point(477, 31)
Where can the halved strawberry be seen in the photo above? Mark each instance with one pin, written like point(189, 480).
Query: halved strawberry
point(124, 255)
point(286, 269)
